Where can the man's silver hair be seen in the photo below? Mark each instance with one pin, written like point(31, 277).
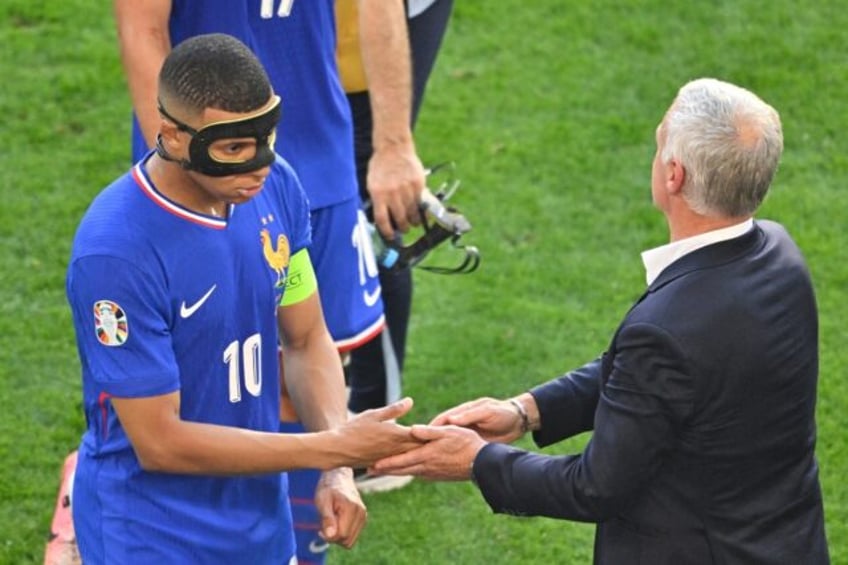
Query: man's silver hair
point(729, 142)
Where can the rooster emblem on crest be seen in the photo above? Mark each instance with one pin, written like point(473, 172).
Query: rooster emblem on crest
point(278, 259)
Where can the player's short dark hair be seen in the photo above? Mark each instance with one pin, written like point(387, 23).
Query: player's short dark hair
point(215, 71)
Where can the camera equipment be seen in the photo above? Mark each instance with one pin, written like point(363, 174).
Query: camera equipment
point(439, 222)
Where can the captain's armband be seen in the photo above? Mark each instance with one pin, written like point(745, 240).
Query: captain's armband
point(300, 282)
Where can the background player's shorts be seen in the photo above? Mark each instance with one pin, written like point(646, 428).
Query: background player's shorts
point(346, 270)
point(311, 548)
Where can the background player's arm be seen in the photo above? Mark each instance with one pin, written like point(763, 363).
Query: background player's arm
point(395, 174)
point(144, 42)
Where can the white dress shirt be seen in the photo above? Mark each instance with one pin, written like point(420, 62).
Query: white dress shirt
point(415, 7)
point(658, 258)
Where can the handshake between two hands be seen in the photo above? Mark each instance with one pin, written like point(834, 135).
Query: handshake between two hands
point(445, 448)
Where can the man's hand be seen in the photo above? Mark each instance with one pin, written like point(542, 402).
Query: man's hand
point(447, 455)
point(494, 420)
point(395, 174)
point(343, 514)
point(396, 178)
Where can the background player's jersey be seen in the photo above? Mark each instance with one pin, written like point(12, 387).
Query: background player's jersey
point(295, 41)
point(165, 299)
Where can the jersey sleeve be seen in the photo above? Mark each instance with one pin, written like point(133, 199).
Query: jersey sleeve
point(293, 202)
point(120, 315)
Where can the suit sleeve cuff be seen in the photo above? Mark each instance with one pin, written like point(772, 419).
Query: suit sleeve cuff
point(489, 473)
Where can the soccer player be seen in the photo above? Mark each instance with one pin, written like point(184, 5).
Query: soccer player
point(295, 41)
point(185, 274)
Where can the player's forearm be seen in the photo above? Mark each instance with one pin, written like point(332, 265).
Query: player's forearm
point(144, 43)
point(384, 44)
point(197, 448)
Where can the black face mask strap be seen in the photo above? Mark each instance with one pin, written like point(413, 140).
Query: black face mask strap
point(160, 147)
point(163, 153)
point(180, 125)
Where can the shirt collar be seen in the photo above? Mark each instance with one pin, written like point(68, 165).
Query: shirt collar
point(658, 258)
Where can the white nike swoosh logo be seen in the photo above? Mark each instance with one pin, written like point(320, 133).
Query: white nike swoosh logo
point(318, 546)
point(186, 311)
point(371, 298)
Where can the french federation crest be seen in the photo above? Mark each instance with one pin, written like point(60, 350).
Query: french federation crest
point(110, 323)
point(278, 259)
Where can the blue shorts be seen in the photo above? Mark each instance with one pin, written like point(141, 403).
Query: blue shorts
point(344, 265)
point(311, 548)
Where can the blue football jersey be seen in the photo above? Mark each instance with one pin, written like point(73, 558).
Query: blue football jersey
point(295, 40)
point(165, 299)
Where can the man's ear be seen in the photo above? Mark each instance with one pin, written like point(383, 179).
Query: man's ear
point(675, 176)
point(170, 136)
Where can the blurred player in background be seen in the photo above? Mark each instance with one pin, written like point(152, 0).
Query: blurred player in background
point(380, 361)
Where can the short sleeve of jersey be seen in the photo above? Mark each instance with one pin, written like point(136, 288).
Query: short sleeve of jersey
point(285, 185)
point(120, 315)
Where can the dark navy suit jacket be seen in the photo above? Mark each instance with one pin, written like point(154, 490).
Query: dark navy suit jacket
point(703, 411)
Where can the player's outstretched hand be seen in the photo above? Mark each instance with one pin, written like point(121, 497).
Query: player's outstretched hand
point(494, 420)
point(373, 435)
point(342, 511)
point(447, 455)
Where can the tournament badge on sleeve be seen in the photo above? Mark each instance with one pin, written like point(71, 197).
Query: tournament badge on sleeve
point(110, 323)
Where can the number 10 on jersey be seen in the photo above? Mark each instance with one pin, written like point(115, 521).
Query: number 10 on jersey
point(244, 363)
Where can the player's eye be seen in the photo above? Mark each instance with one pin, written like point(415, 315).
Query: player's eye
point(233, 150)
